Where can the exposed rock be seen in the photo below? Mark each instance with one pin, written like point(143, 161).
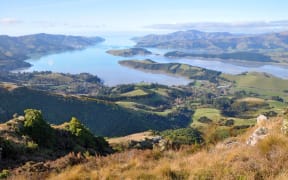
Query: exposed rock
point(147, 143)
point(227, 144)
point(261, 120)
point(259, 133)
point(162, 145)
point(284, 128)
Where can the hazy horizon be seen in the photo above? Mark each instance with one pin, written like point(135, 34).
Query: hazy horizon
point(88, 17)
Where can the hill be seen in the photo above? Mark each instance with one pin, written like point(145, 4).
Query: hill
point(219, 41)
point(103, 117)
point(185, 70)
point(14, 50)
point(233, 158)
point(260, 83)
point(31, 138)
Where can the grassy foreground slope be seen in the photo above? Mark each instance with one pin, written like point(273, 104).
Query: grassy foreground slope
point(102, 117)
point(231, 159)
point(31, 138)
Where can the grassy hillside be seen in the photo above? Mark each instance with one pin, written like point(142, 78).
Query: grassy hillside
point(31, 138)
point(216, 41)
point(185, 70)
point(230, 159)
point(102, 117)
point(260, 83)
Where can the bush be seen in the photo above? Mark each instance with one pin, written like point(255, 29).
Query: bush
point(183, 136)
point(204, 119)
point(85, 138)
point(37, 128)
point(31, 146)
point(4, 174)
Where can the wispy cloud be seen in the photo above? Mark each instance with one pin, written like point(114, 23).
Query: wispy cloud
point(259, 26)
point(9, 20)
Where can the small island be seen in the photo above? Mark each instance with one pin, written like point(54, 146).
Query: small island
point(185, 70)
point(129, 52)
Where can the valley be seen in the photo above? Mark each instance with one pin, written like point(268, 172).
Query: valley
point(91, 118)
point(143, 90)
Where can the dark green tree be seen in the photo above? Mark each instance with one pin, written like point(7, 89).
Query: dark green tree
point(37, 128)
point(85, 138)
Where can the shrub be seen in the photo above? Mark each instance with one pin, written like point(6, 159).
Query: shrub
point(4, 174)
point(85, 138)
point(32, 146)
point(183, 136)
point(37, 128)
point(204, 119)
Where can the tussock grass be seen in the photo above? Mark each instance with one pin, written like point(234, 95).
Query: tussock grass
point(267, 160)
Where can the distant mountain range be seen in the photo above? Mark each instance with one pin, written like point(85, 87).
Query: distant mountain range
point(218, 41)
point(14, 50)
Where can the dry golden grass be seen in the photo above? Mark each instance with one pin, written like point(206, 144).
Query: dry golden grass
point(267, 160)
point(235, 160)
point(251, 99)
point(8, 86)
point(135, 137)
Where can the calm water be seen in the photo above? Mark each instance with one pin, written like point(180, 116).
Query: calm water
point(96, 61)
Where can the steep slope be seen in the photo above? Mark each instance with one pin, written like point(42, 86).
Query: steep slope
point(31, 138)
point(231, 159)
point(102, 117)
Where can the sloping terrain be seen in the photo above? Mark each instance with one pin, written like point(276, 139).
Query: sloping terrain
point(193, 39)
point(229, 159)
point(188, 71)
point(101, 116)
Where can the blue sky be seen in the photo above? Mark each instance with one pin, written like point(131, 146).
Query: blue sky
point(89, 16)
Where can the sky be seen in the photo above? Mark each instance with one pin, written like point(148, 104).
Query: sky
point(19, 17)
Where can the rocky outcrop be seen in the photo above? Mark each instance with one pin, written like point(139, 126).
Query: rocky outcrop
point(261, 120)
point(259, 134)
point(284, 127)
